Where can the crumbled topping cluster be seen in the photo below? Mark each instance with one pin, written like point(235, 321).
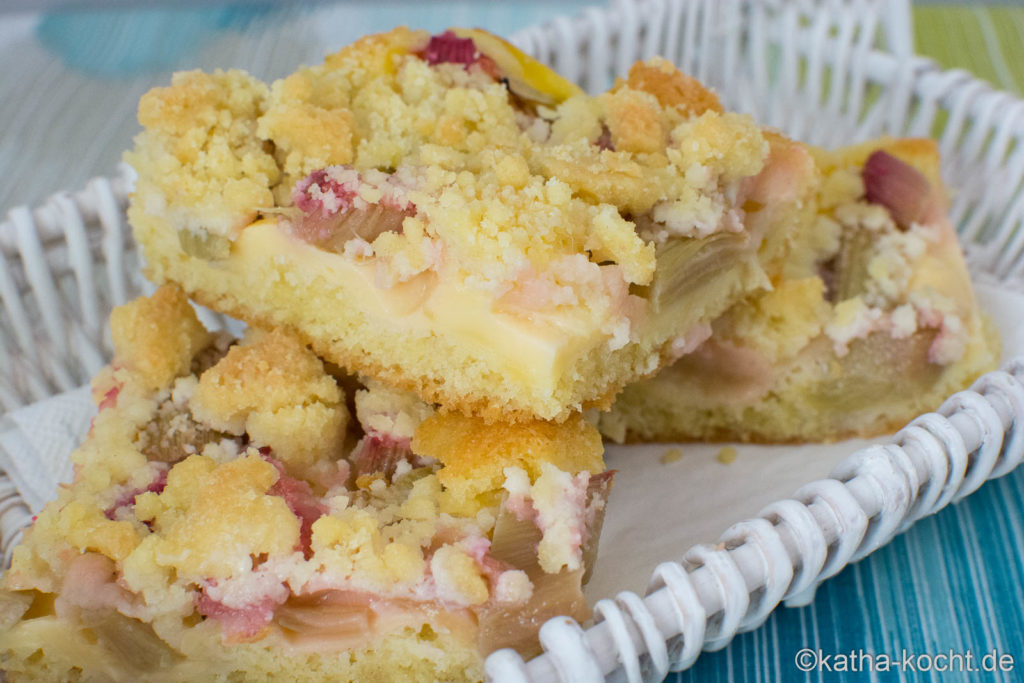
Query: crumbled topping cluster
point(879, 257)
point(455, 153)
point(232, 491)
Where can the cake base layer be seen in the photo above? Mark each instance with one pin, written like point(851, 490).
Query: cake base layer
point(815, 397)
point(451, 217)
point(241, 511)
point(873, 322)
point(116, 648)
point(450, 347)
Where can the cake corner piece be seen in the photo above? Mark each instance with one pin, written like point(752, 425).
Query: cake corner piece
point(231, 517)
point(448, 215)
point(872, 321)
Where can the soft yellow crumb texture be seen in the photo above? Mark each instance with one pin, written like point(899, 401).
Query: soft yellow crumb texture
point(156, 337)
point(475, 454)
point(200, 147)
point(210, 519)
point(276, 390)
point(671, 87)
point(781, 321)
point(671, 455)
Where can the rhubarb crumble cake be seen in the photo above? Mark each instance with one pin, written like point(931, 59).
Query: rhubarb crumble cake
point(873, 322)
point(451, 217)
point(238, 512)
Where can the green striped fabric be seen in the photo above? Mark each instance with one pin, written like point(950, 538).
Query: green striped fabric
point(986, 40)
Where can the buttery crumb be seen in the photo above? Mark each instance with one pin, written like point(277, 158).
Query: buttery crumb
point(671, 455)
point(726, 455)
point(506, 183)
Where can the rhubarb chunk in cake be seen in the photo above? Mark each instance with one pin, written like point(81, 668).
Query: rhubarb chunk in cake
point(451, 217)
point(230, 519)
point(873, 322)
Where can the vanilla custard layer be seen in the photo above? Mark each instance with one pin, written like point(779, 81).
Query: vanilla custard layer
point(449, 343)
point(535, 351)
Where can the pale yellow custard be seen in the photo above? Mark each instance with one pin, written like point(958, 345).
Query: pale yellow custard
point(453, 218)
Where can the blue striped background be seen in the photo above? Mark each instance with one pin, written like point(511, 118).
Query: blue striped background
point(954, 581)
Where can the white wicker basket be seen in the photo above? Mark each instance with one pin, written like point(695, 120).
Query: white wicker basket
point(812, 69)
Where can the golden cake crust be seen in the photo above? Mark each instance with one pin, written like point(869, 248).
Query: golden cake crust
point(158, 339)
point(230, 520)
point(482, 183)
point(873, 321)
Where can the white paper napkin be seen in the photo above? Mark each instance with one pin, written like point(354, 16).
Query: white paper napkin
point(35, 442)
point(657, 511)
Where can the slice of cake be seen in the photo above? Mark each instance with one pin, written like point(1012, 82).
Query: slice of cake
point(451, 217)
point(873, 323)
point(230, 519)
